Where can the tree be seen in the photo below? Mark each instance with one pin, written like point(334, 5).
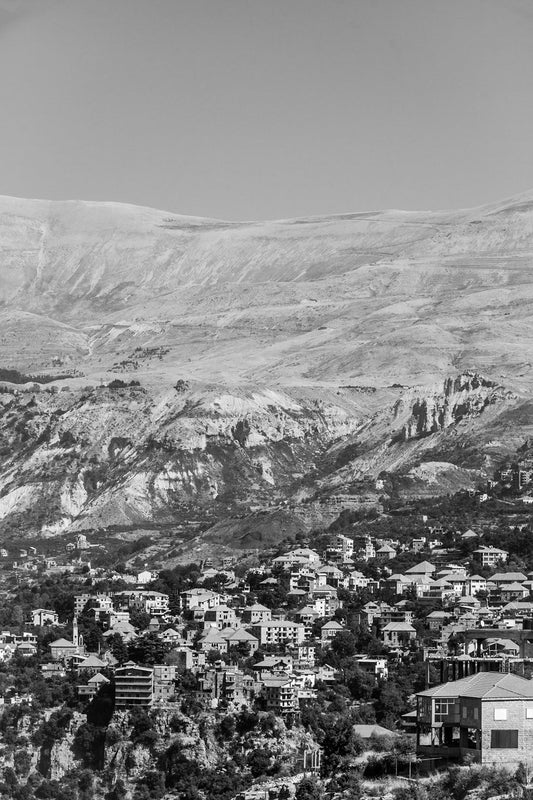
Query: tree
point(139, 619)
point(308, 789)
point(148, 649)
point(118, 647)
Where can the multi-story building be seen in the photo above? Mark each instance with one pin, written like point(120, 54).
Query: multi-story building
point(278, 632)
point(355, 580)
point(490, 556)
point(220, 617)
point(43, 616)
point(398, 634)
point(134, 685)
point(164, 681)
point(201, 599)
point(153, 603)
point(487, 716)
point(329, 630)
point(281, 696)
point(340, 548)
point(100, 600)
point(256, 613)
point(364, 548)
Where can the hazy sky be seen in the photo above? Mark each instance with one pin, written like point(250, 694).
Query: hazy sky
point(267, 108)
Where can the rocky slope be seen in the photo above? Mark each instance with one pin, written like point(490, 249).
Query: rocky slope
point(278, 362)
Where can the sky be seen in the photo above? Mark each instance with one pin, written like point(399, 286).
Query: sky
point(261, 109)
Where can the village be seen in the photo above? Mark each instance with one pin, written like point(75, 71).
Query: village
point(273, 636)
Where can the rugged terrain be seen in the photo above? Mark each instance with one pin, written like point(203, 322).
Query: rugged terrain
point(280, 364)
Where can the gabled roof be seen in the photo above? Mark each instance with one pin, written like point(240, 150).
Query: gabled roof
point(92, 661)
point(98, 678)
point(399, 626)
point(366, 731)
point(241, 635)
point(508, 577)
point(422, 567)
point(485, 685)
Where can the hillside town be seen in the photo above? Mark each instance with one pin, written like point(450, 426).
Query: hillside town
point(423, 643)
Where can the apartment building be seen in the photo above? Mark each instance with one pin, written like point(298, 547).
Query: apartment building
point(278, 632)
point(490, 556)
point(134, 685)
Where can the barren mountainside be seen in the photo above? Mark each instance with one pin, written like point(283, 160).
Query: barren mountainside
point(282, 362)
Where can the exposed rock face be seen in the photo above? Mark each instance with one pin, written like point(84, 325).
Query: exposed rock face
point(464, 396)
point(108, 457)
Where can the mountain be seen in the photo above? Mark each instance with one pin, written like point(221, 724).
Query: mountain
point(281, 362)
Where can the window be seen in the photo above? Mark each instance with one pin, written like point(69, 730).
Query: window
point(500, 714)
point(443, 708)
point(529, 713)
point(504, 739)
point(476, 713)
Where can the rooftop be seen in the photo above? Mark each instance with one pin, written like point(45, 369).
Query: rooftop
point(485, 685)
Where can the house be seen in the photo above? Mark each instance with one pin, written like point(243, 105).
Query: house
point(355, 580)
point(475, 584)
point(330, 630)
point(93, 686)
point(307, 616)
point(423, 568)
point(220, 617)
point(91, 665)
point(329, 575)
point(376, 667)
point(212, 639)
point(490, 556)
point(398, 634)
point(256, 613)
point(274, 665)
point(487, 717)
point(385, 553)
point(124, 629)
point(437, 620)
point(503, 578)
point(513, 591)
point(200, 599)
point(164, 682)
point(469, 534)
point(43, 616)
point(144, 577)
point(242, 638)
point(27, 649)
point(185, 658)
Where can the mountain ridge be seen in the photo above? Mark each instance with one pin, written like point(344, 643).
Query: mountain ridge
point(353, 325)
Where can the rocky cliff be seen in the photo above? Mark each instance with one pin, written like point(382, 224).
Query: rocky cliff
point(462, 397)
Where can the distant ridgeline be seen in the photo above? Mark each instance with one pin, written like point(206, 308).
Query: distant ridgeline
point(14, 376)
